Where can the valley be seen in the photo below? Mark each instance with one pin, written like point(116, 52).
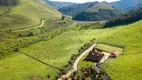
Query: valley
point(37, 42)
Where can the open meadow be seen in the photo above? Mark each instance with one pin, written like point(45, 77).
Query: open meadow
point(56, 52)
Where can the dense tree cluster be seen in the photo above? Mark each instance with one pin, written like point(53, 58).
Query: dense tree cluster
point(132, 16)
point(102, 14)
point(9, 2)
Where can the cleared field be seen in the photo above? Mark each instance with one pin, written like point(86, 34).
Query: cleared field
point(109, 48)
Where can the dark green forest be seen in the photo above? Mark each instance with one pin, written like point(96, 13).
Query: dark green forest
point(76, 9)
point(92, 11)
point(102, 14)
point(132, 16)
point(9, 2)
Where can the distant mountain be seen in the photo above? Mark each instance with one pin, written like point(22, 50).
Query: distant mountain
point(59, 5)
point(123, 4)
point(139, 4)
point(75, 9)
point(90, 11)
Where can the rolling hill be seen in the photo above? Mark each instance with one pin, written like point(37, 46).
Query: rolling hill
point(90, 11)
point(75, 9)
point(26, 14)
point(98, 11)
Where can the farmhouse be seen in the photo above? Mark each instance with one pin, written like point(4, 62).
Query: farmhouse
point(94, 56)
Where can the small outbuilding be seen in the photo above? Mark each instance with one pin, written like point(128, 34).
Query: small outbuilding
point(115, 54)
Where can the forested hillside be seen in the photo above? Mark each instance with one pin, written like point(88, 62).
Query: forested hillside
point(99, 11)
point(9, 2)
point(131, 16)
point(90, 11)
point(75, 9)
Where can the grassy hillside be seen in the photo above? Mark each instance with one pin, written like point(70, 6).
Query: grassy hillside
point(27, 14)
point(56, 52)
point(59, 50)
point(127, 65)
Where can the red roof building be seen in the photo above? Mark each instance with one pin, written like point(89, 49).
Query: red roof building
point(116, 53)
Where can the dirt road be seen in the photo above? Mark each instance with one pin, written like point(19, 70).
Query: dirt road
point(42, 23)
point(85, 52)
point(77, 61)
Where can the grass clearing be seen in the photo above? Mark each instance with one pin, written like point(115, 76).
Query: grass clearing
point(109, 48)
point(85, 64)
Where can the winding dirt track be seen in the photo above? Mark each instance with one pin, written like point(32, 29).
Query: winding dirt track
point(42, 23)
point(85, 52)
